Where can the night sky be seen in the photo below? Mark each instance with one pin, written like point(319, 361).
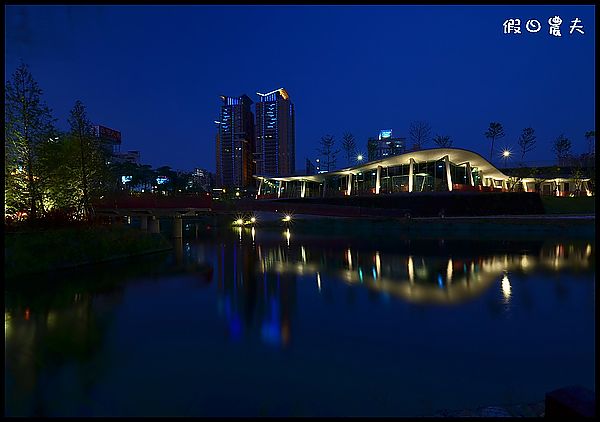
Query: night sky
point(156, 72)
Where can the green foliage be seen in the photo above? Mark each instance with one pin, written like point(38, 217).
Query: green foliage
point(38, 251)
point(575, 205)
point(27, 124)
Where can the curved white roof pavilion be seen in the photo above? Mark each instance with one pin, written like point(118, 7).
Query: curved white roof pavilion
point(457, 156)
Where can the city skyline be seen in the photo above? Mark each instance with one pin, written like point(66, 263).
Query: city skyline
point(358, 69)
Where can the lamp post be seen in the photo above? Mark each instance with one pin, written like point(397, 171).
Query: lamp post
point(505, 156)
point(359, 158)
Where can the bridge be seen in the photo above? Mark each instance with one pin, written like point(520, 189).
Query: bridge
point(150, 207)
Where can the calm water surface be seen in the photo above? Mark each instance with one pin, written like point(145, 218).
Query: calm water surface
point(271, 322)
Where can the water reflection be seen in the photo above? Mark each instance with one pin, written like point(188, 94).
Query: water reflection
point(424, 278)
point(256, 278)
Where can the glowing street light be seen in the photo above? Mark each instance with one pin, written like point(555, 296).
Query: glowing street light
point(506, 153)
point(360, 157)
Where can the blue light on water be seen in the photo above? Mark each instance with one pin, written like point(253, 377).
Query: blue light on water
point(360, 274)
point(374, 274)
point(440, 280)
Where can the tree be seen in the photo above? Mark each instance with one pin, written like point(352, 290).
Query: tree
point(442, 141)
point(419, 132)
point(349, 146)
point(562, 148)
point(495, 131)
point(27, 123)
point(92, 171)
point(591, 138)
point(325, 149)
point(527, 141)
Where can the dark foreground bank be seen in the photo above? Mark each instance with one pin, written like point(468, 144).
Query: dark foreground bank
point(38, 251)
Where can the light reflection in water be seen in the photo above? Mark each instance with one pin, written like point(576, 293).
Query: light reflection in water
point(319, 281)
point(506, 288)
point(349, 257)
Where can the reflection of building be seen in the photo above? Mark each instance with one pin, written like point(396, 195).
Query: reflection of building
point(235, 143)
point(420, 278)
point(428, 170)
point(385, 146)
point(275, 134)
point(253, 300)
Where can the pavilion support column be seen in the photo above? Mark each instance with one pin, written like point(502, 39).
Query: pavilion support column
point(177, 227)
point(469, 174)
point(154, 225)
point(349, 190)
point(324, 187)
point(279, 189)
point(411, 172)
point(504, 185)
point(448, 173)
point(303, 189)
point(144, 223)
point(378, 181)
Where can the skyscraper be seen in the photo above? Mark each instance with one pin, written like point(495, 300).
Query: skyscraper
point(385, 146)
point(275, 134)
point(235, 143)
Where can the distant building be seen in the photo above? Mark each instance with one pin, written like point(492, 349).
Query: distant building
point(202, 178)
point(235, 143)
point(275, 134)
point(385, 146)
point(108, 138)
point(310, 167)
point(128, 157)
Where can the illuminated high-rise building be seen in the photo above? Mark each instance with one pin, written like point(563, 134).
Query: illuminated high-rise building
point(235, 143)
point(275, 134)
point(385, 146)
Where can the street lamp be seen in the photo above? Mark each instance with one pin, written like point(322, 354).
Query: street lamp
point(360, 157)
point(505, 155)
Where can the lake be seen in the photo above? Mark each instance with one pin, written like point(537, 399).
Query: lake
point(274, 322)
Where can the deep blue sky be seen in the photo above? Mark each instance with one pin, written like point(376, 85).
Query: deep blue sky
point(156, 72)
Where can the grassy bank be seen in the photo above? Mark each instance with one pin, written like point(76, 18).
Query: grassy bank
point(575, 205)
point(48, 250)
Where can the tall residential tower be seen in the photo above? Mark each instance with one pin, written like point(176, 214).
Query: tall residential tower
point(275, 134)
point(235, 143)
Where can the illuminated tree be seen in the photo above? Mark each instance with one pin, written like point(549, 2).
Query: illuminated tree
point(495, 131)
point(27, 124)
